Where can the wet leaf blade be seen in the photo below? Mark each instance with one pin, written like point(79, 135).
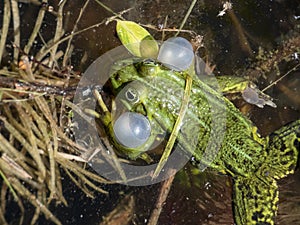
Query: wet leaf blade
point(136, 39)
point(176, 128)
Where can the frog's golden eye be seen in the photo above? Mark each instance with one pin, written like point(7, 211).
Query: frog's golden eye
point(132, 95)
point(132, 129)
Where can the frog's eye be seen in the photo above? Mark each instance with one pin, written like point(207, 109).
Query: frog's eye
point(149, 61)
point(132, 129)
point(176, 53)
point(132, 95)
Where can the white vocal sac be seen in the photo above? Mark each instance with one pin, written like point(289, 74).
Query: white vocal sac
point(176, 53)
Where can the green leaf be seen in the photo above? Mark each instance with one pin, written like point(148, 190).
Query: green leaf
point(136, 39)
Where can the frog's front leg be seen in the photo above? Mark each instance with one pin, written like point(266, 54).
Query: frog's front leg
point(232, 85)
point(250, 92)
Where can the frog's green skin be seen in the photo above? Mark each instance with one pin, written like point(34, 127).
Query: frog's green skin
point(255, 163)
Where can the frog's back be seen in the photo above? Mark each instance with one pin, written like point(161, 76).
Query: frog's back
point(213, 128)
point(227, 140)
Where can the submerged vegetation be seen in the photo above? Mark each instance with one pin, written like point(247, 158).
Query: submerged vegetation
point(36, 110)
point(38, 78)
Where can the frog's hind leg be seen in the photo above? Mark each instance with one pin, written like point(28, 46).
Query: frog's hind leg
point(283, 150)
point(255, 201)
point(256, 197)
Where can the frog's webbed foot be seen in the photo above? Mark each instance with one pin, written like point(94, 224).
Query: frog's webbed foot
point(254, 96)
point(255, 201)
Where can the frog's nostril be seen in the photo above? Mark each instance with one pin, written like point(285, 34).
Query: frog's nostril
point(132, 129)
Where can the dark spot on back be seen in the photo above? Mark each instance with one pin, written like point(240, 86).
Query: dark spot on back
point(297, 143)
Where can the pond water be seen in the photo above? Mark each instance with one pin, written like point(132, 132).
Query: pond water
point(262, 24)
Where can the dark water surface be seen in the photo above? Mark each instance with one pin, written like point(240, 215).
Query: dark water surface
point(265, 24)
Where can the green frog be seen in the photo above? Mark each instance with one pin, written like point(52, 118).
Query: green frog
point(256, 163)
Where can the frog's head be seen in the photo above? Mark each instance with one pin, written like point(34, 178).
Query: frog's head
point(142, 109)
point(132, 128)
point(131, 71)
point(150, 93)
